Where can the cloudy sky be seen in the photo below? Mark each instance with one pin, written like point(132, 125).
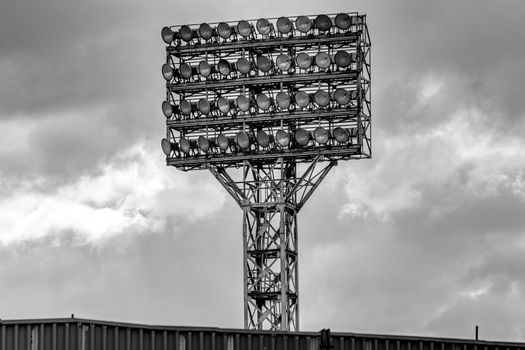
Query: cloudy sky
point(426, 238)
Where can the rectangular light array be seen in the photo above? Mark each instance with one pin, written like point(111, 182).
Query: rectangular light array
point(259, 90)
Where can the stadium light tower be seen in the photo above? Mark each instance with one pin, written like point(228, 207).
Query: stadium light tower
point(268, 106)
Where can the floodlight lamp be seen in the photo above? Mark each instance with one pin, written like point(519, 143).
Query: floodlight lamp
point(203, 144)
point(204, 106)
point(205, 31)
point(185, 70)
point(341, 135)
point(302, 99)
point(283, 100)
point(224, 67)
point(204, 69)
point(264, 64)
point(185, 107)
point(223, 142)
point(243, 103)
point(223, 104)
point(263, 139)
point(167, 72)
point(321, 135)
point(302, 137)
point(322, 98)
point(322, 60)
point(185, 145)
point(341, 96)
point(166, 146)
point(263, 102)
point(244, 28)
point(283, 138)
point(303, 60)
point(342, 59)
point(167, 35)
point(263, 26)
point(323, 23)
point(243, 65)
point(303, 24)
point(224, 29)
point(186, 33)
point(167, 109)
point(342, 21)
point(284, 25)
point(283, 62)
point(243, 140)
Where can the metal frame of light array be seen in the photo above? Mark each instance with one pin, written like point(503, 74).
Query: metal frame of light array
point(260, 90)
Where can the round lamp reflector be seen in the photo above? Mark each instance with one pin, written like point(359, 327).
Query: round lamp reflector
point(204, 106)
point(185, 107)
point(341, 96)
point(303, 24)
point(341, 135)
point(263, 102)
point(323, 23)
point(224, 30)
point(203, 144)
point(167, 71)
point(167, 109)
point(243, 140)
point(284, 25)
point(283, 62)
point(185, 146)
point(302, 137)
point(166, 147)
point(205, 31)
point(322, 98)
point(302, 99)
point(342, 21)
point(264, 64)
point(167, 35)
point(243, 103)
point(303, 60)
point(223, 142)
point(263, 139)
point(185, 70)
point(204, 69)
point(225, 67)
point(186, 33)
point(321, 135)
point(283, 100)
point(322, 60)
point(223, 104)
point(244, 28)
point(263, 26)
point(243, 65)
point(283, 138)
point(342, 59)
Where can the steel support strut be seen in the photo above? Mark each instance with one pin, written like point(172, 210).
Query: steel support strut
point(271, 196)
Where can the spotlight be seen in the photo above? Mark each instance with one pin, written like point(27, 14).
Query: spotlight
point(341, 135)
point(203, 144)
point(167, 35)
point(263, 102)
point(243, 103)
point(283, 62)
point(185, 107)
point(302, 137)
point(263, 139)
point(243, 140)
point(225, 67)
point(224, 30)
point(186, 33)
point(167, 72)
point(185, 70)
point(185, 145)
point(303, 60)
point(205, 31)
point(323, 23)
point(283, 138)
point(284, 25)
point(322, 60)
point(167, 109)
point(341, 96)
point(223, 142)
point(342, 59)
point(204, 106)
point(342, 21)
point(167, 147)
point(204, 69)
point(263, 26)
point(322, 98)
point(321, 135)
point(243, 65)
point(283, 100)
point(303, 24)
point(244, 28)
point(264, 64)
point(302, 99)
point(224, 104)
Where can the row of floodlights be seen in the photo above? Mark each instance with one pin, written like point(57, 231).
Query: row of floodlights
point(285, 26)
point(282, 100)
point(242, 141)
point(283, 62)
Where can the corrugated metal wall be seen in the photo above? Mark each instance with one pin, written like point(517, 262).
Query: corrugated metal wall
point(80, 334)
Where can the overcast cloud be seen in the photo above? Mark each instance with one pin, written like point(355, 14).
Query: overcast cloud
point(426, 238)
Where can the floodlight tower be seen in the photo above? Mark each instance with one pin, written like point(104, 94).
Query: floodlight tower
point(268, 106)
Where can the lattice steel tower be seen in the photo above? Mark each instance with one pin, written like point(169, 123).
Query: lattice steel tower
point(268, 106)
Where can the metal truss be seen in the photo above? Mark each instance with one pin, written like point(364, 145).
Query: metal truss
point(271, 196)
